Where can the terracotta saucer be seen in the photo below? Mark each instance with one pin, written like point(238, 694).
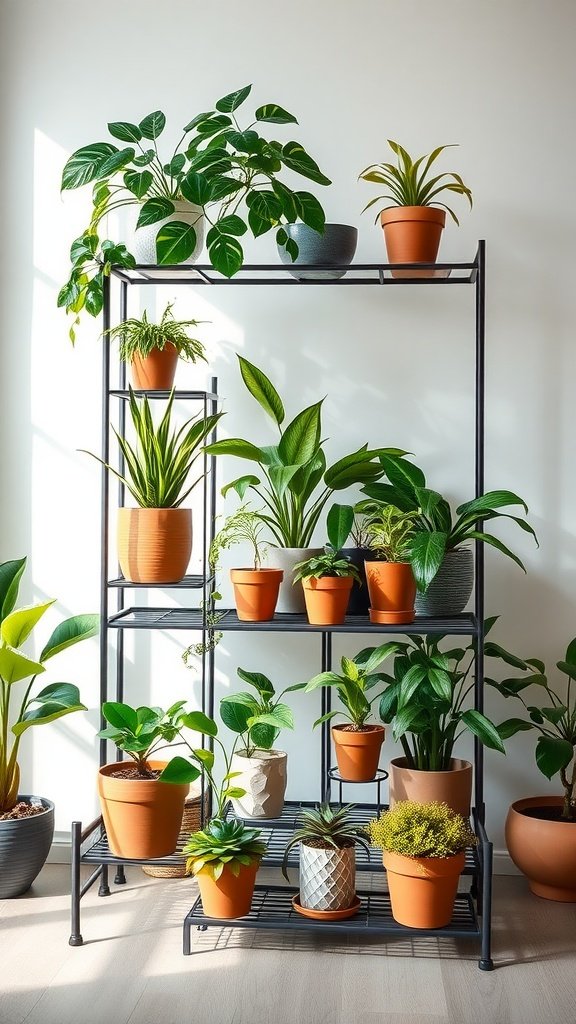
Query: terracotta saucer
point(326, 915)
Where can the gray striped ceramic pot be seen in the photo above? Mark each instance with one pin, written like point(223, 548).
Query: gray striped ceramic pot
point(334, 247)
point(24, 846)
point(450, 590)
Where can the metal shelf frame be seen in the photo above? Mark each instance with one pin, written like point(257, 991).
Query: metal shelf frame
point(272, 906)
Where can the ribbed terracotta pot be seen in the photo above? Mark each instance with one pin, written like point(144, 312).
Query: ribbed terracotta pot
point(142, 816)
point(412, 235)
point(545, 851)
point(156, 371)
point(154, 544)
point(231, 895)
point(452, 787)
point(392, 591)
point(358, 752)
point(327, 877)
point(291, 595)
point(450, 590)
point(256, 593)
point(423, 889)
point(24, 846)
point(263, 777)
point(327, 599)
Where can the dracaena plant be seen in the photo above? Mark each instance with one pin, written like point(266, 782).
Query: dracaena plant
point(158, 467)
point(229, 171)
point(327, 827)
point(296, 482)
point(355, 685)
point(256, 717)
point(411, 183)
point(31, 707)
point(437, 531)
point(139, 337)
point(328, 563)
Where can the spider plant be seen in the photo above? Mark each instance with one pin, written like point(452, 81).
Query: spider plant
point(409, 182)
point(140, 337)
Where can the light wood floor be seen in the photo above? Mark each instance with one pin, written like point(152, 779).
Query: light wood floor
point(131, 969)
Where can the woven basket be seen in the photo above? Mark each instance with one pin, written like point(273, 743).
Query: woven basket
point(191, 822)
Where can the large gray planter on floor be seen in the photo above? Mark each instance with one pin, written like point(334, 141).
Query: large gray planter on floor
point(24, 846)
point(335, 246)
point(450, 590)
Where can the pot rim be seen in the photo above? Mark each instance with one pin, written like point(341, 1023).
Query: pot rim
point(265, 755)
point(47, 805)
point(462, 766)
point(432, 214)
point(372, 727)
point(263, 569)
point(116, 764)
point(551, 800)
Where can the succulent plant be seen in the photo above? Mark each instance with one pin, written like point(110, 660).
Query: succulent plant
point(223, 844)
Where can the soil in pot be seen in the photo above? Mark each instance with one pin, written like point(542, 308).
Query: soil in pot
point(142, 816)
point(358, 751)
point(327, 599)
point(423, 889)
point(156, 371)
point(256, 593)
point(452, 787)
point(229, 896)
point(543, 847)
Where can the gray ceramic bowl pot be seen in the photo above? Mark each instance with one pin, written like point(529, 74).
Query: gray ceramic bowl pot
point(335, 247)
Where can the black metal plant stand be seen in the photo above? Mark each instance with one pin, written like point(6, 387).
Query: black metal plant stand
point(272, 906)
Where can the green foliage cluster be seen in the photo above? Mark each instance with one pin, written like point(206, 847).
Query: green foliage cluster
point(390, 533)
point(328, 563)
point(421, 830)
point(223, 844)
point(140, 337)
point(410, 184)
point(354, 685)
point(142, 732)
point(243, 525)
point(256, 717)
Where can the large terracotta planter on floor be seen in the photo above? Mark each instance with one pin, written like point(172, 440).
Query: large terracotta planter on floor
point(327, 599)
point(256, 593)
point(452, 787)
point(231, 895)
point(156, 371)
point(154, 544)
point(142, 816)
point(412, 235)
point(423, 889)
point(545, 851)
point(358, 751)
point(263, 777)
point(392, 591)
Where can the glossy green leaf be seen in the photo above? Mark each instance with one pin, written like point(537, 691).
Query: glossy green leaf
point(236, 446)
point(232, 225)
point(10, 576)
point(262, 389)
point(153, 125)
point(233, 100)
point(226, 255)
point(274, 114)
point(72, 631)
point(311, 211)
point(490, 500)
point(339, 522)
point(120, 716)
point(196, 188)
point(200, 722)
point(206, 757)
point(175, 242)
point(552, 755)
point(301, 438)
point(84, 165)
point(481, 727)
point(138, 182)
point(154, 210)
point(427, 551)
point(240, 485)
point(513, 725)
point(47, 712)
point(288, 203)
point(198, 120)
point(115, 162)
point(15, 666)
point(234, 714)
point(259, 681)
point(264, 736)
point(179, 771)
point(18, 625)
point(124, 131)
point(297, 159)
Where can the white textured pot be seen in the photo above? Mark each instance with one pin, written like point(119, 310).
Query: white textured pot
point(143, 242)
point(264, 777)
point(327, 877)
point(291, 596)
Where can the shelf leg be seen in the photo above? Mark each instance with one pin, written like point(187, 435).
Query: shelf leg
point(104, 888)
point(120, 877)
point(186, 950)
point(75, 934)
point(486, 963)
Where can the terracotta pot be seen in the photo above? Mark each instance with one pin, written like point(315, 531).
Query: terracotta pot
point(545, 851)
point(358, 752)
point(452, 787)
point(327, 599)
point(256, 593)
point(412, 235)
point(156, 371)
point(450, 590)
point(154, 544)
point(392, 591)
point(291, 595)
point(423, 889)
point(231, 895)
point(142, 816)
point(263, 777)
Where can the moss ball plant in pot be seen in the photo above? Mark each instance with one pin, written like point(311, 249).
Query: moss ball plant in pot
point(357, 743)
point(414, 218)
point(155, 539)
point(423, 849)
point(27, 822)
point(257, 717)
point(153, 349)
point(255, 588)
point(389, 576)
point(327, 581)
point(328, 838)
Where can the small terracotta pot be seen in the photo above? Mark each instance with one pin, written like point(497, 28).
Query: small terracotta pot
point(392, 591)
point(412, 235)
point(256, 593)
point(154, 544)
point(231, 895)
point(156, 371)
point(452, 787)
point(545, 851)
point(358, 752)
point(142, 816)
point(423, 889)
point(327, 599)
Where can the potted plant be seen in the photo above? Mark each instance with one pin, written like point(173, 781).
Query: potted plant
point(334, 246)
point(153, 350)
point(297, 483)
point(357, 743)
point(423, 849)
point(345, 522)
point(328, 838)
point(27, 822)
point(155, 539)
point(541, 830)
point(255, 589)
point(442, 562)
point(413, 219)
point(259, 769)
point(425, 700)
point(390, 580)
point(327, 580)
point(215, 174)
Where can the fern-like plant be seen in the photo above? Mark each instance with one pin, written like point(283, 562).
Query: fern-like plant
point(421, 830)
point(243, 526)
point(223, 844)
point(140, 337)
point(390, 533)
point(324, 826)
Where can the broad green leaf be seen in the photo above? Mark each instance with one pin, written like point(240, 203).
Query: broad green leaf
point(231, 225)
point(552, 755)
point(339, 522)
point(200, 722)
point(175, 242)
point(153, 125)
point(490, 500)
point(492, 650)
point(259, 681)
point(281, 477)
point(47, 712)
point(441, 683)
point(289, 205)
point(226, 255)
point(245, 142)
point(213, 124)
point(138, 182)
point(263, 736)
point(196, 188)
point(124, 131)
point(265, 205)
point(350, 669)
point(295, 157)
point(154, 210)
point(84, 165)
point(120, 716)
point(262, 389)
point(511, 726)
point(233, 100)
point(280, 718)
point(236, 446)
point(115, 162)
point(179, 771)
point(389, 703)
point(235, 715)
point(322, 679)
point(274, 114)
point(326, 718)
point(301, 438)
point(311, 211)
point(15, 666)
point(70, 632)
point(240, 485)
point(10, 576)
point(481, 727)
point(402, 473)
point(427, 551)
point(18, 625)
point(570, 650)
point(404, 720)
point(197, 120)
point(371, 657)
point(206, 757)
point(351, 469)
point(410, 684)
point(569, 668)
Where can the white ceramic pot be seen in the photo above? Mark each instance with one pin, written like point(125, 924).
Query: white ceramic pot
point(327, 877)
point(264, 777)
point(291, 596)
point(143, 242)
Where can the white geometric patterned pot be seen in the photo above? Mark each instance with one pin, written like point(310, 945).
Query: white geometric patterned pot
point(327, 877)
point(264, 777)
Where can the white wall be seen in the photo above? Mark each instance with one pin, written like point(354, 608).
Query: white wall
point(396, 364)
